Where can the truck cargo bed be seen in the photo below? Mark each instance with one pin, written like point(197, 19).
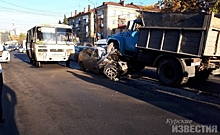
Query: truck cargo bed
point(194, 34)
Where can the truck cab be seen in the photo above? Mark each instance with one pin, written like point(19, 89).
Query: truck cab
point(126, 41)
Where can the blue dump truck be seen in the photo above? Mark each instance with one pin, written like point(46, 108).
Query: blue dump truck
point(179, 45)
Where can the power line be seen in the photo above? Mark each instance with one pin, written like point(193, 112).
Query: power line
point(20, 22)
point(37, 9)
point(55, 8)
point(25, 7)
point(43, 14)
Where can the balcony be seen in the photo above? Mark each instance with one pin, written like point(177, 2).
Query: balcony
point(86, 24)
point(121, 16)
point(77, 25)
point(78, 22)
point(122, 26)
point(101, 16)
point(101, 25)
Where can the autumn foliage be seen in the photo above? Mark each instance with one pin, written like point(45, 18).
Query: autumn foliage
point(189, 5)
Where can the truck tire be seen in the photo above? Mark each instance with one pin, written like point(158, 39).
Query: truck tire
point(68, 63)
point(170, 73)
point(30, 60)
point(38, 64)
point(81, 66)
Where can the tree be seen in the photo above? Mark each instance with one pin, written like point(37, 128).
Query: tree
point(22, 37)
point(190, 5)
point(150, 8)
point(59, 22)
point(153, 8)
point(5, 36)
point(65, 21)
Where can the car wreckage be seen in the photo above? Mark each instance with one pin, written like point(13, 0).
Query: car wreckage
point(108, 64)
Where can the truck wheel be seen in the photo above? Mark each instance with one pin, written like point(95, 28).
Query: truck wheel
point(170, 73)
point(68, 63)
point(37, 64)
point(30, 60)
point(111, 71)
point(81, 66)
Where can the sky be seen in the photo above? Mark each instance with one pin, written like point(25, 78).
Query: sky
point(24, 14)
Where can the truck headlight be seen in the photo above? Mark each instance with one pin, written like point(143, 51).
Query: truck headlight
point(44, 54)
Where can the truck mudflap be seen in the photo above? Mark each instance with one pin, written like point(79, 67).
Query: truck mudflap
point(112, 66)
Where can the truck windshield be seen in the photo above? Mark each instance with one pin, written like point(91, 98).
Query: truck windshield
point(64, 36)
point(46, 35)
point(129, 25)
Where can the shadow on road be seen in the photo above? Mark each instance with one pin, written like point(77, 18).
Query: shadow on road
point(186, 107)
point(9, 102)
point(22, 56)
point(211, 86)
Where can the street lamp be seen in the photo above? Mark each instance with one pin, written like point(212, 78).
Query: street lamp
point(95, 21)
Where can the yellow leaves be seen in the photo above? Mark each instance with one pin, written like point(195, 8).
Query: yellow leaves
point(151, 7)
point(148, 7)
point(189, 5)
point(177, 4)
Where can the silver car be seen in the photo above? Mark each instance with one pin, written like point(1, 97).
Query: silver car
point(97, 60)
point(88, 58)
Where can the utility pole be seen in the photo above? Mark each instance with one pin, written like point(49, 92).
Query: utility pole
point(95, 21)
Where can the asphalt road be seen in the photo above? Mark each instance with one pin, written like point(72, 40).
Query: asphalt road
point(56, 100)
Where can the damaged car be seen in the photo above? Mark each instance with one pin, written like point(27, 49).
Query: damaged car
point(97, 60)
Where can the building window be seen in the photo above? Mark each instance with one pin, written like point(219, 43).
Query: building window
point(114, 22)
point(128, 14)
point(84, 21)
point(85, 16)
point(121, 13)
point(134, 15)
point(100, 12)
point(114, 12)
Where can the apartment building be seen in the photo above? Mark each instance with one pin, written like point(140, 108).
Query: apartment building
point(83, 24)
point(106, 19)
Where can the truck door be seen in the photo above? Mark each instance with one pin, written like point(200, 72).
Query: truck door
point(132, 38)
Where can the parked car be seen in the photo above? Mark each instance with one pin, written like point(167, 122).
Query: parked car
point(10, 48)
point(101, 43)
point(85, 44)
point(17, 47)
point(4, 54)
point(78, 49)
point(22, 50)
point(97, 60)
